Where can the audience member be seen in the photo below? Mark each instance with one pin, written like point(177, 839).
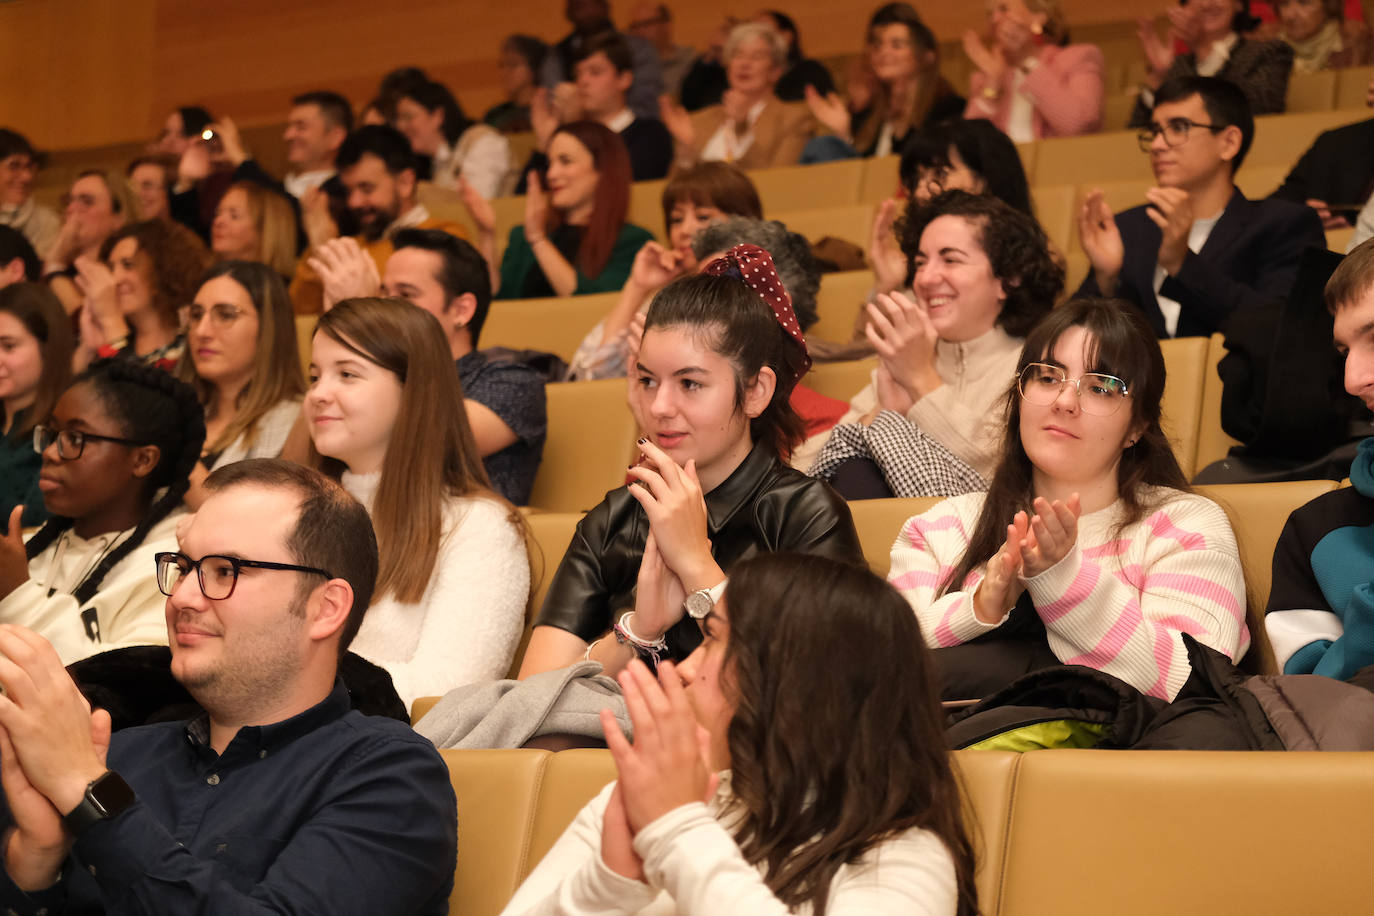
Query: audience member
point(720, 355)
point(1320, 616)
point(243, 362)
point(236, 808)
point(981, 276)
point(1213, 31)
point(19, 164)
point(316, 127)
point(457, 147)
point(97, 204)
point(801, 70)
point(521, 58)
point(209, 165)
point(902, 91)
point(255, 223)
point(117, 449)
point(446, 277)
point(1198, 252)
point(147, 271)
point(960, 155)
point(694, 199)
point(653, 22)
point(705, 82)
point(377, 168)
point(1320, 35)
point(18, 260)
point(1335, 176)
point(750, 126)
point(182, 128)
point(150, 178)
point(574, 238)
point(1087, 548)
point(454, 578)
point(867, 820)
point(35, 365)
point(1031, 82)
point(590, 18)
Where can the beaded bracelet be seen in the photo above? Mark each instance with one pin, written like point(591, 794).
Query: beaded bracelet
point(645, 647)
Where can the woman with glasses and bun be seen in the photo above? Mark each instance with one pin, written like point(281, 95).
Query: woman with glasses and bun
point(241, 358)
point(1087, 548)
point(118, 448)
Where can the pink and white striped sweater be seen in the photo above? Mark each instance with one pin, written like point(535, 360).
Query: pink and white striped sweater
point(1118, 604)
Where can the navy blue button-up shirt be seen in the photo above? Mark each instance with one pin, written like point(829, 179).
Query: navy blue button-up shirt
point(329, 811)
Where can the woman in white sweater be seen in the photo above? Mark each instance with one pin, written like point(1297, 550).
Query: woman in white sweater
point(117, 450)
point(754, 786)
point(982, 276)
point(385, 412)
point(1087, 548)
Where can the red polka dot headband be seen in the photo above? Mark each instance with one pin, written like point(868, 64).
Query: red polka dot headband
point(754, 266)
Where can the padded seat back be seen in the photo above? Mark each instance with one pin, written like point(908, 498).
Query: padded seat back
point(841, 296)
point(556, 325)
point(840, 380)
point(850, 222)
point(571, 779)
point(987, 780)
point(1185, 365)
point(806, 187)
point(547, 540)
point(879, 521)
point(591, 431)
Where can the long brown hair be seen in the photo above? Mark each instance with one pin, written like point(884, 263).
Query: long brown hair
point(275, 223)
point(277, 372)
point(39, 310)
point(612, 202)
point(431, 455)
point(1120, 344)
point(837, 742)
point(930, 85)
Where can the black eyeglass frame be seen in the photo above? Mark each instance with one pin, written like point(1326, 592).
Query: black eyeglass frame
point(40, 432)
point(1147, 134)
point(236, 563)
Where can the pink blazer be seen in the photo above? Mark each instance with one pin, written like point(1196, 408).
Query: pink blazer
point(1065, 90)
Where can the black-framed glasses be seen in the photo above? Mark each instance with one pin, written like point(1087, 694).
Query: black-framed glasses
point(71, 443)
point(217, 574)
point(1098, 394)
point(1175, 131)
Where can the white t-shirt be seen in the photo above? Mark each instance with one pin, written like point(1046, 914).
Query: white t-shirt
point(1197, 237)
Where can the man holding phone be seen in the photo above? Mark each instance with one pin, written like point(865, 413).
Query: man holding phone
point(1197, 251)
point(1335, 176)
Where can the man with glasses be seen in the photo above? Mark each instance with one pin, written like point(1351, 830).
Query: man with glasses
point(277, 797)
point(1198, 251)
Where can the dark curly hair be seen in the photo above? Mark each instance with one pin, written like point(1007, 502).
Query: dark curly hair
point(1016, 246)
point(174, 257)
point(150, 407)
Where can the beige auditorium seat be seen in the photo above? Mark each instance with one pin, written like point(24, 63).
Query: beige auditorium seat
point(879, 521)
point(1352, 85)
point(850, 222)
point(571, 779)
point(1185, 364)
point(591, 432)
point(1117, 108)
point(305, 332)
point(1282, 139)
point(646, 206)
point(880, 179)
point(838, 302)
point(1056, 207)
point(1311, 91)
point(1212, 441)
point(840, 380)
point(807, 187)
point(1259, 181)
point(556, 325)
point(987, 781)
point(1113, 156)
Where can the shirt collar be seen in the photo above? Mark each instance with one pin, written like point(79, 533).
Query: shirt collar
point(259, 740)
point(619, 122)
point(409, 219)
point(739, 488)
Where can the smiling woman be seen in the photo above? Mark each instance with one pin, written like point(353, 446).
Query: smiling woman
point(117, 450)
point(1087, 548)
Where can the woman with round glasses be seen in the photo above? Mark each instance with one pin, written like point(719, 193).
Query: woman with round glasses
point(241, 358)
point(1087, 548)
point(118, 448)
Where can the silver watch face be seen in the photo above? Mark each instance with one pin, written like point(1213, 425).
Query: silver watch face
point(699, 604)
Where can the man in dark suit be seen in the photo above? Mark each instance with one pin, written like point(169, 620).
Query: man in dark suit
point(1335, 176)
point(1198, 251)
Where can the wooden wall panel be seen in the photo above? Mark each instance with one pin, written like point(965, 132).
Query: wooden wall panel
point(90, 72)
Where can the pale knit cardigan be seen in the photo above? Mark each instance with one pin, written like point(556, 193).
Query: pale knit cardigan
point(1118, 602)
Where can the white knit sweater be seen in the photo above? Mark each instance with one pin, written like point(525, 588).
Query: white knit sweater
point(466, 626)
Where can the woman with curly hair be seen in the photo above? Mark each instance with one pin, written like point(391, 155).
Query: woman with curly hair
point(753, 786)
point(926, 425)
point(146, 273)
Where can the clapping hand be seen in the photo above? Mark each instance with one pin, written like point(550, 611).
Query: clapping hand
point(889, 263)
point(1171, 209)
point(14, 561)
point(900, 330)
point(1052, 535)
point(1101, 239)
point(673, 501)
point(345, 271)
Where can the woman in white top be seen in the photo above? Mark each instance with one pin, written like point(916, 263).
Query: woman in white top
point(241, 357)
point(754, 786)
point(458, 147)
point(117, 449)
point(385, 412)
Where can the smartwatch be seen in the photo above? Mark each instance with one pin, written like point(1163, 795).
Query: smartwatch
point(700, 602)
point(107, 796)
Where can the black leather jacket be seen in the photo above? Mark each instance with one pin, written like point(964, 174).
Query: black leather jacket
point(763, 506)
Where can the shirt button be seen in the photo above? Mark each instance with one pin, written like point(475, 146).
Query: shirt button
point(212, 780)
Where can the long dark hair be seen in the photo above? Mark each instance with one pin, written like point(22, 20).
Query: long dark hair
point(432, 97)
point(836, 742)
point(743, 329)
point(612, 164)
point(987, 152)
point(151, 407)
point(1120, 344)
point(39, 310)
point(1016, 246)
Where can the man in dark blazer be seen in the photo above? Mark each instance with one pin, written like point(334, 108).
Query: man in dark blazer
point(1198, 252)
point(1335, 176)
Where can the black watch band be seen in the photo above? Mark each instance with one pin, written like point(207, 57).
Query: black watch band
point(107, 796)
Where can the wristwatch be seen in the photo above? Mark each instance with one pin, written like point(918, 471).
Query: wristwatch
point(107, 796)
point(700, 602)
